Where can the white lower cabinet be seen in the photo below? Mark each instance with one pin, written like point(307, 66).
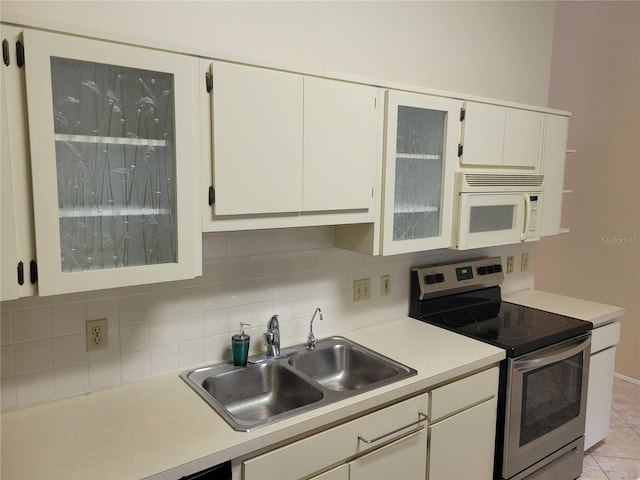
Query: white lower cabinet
point(339, 473)
point(462, 446)
point(348, 443)
point(462, 428)
point(599, 395)
point(403, 459)
point(397, 442)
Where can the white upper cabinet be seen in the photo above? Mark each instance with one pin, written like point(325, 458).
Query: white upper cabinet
point(9, 260)
point(114, 144)
point(498, 136)
point(340, 145)
point(18, 262)
point(553, 163)
point(257, 140)
point(286, 145)
point(421, 142)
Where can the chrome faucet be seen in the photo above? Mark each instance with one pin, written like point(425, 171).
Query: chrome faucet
point(311, 339)
point(272, 337)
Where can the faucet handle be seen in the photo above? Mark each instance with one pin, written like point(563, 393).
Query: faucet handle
point(273, 324)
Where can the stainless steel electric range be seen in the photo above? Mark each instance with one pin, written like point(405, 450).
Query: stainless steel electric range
point(543, 381)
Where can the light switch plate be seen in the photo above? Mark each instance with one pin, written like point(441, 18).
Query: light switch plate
point(361, 289)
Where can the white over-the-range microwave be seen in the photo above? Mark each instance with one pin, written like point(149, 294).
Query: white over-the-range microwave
point(497, 209)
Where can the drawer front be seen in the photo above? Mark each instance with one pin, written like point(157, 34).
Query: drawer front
point(339, 443)
point(463, 393)
point(604, 337)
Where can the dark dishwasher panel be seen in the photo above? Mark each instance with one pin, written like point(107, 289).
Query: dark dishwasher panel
point(218, 472)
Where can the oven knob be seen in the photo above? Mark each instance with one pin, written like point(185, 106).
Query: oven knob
point(497, 268)
point(482, 270)
point(439, 277)
point(430, 279)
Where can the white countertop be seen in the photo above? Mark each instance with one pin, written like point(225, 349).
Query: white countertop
point(597, 313)
point(148, 427)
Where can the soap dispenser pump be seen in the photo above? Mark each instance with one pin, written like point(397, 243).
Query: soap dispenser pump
point(240, 346)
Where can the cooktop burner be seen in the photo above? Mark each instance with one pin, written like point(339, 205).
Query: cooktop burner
point(469, 303)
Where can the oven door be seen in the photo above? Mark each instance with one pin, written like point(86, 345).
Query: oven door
point(487, 219)
point(546, 402)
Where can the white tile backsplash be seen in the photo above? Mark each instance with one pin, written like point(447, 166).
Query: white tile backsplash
point(35, 356)
point(136, 365)
point(31, 324)
point(68, 318)
point(167, 327)
point(71, 380)
point(105, 372)
point(34, 387)
point(70, 349)
point(165, 359)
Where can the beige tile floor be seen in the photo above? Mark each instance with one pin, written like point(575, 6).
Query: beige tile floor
point(617, 457)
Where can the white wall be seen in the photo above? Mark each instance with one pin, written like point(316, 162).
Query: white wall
point(596, 74)
point(494, 49)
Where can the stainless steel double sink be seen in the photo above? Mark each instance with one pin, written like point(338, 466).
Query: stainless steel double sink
point(299, 380)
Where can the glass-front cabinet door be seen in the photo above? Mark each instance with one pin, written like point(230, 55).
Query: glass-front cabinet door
point(114, 138)
point(421, 142)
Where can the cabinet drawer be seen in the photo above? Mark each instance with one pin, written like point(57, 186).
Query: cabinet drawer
point(334, 445)
point(459, 395)
point(604, 337)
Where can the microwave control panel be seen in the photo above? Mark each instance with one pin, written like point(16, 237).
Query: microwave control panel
point(533, 232)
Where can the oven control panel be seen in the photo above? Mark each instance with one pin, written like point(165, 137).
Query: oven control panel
point(435, 280)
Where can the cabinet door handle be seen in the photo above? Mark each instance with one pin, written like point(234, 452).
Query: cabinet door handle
point(33, 271)
point(5, 52)
point(388, 434)
point(20, 273)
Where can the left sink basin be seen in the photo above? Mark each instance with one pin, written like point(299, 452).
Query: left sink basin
point(247, 397)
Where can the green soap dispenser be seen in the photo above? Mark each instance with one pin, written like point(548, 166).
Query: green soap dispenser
point(240, 346)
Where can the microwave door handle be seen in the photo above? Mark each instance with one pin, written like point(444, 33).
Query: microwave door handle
point(527, 218)
point(555, 355)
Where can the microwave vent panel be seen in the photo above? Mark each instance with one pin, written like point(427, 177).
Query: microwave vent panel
point(502, 180)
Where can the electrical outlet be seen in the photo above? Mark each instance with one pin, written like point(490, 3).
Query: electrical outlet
point(361, 289)
point(97, 335)
point(510, 264)
point(385, 285)
point(524, 262)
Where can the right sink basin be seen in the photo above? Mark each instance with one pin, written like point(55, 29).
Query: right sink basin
point(341, 365)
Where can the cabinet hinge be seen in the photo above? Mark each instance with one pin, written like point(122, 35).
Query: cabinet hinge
point(33, 271)
point(212, 196)
point(20, 273)
point(5, 52)
point(460, 148)
point(208, 81)
point(19, 53)
point(463, 112)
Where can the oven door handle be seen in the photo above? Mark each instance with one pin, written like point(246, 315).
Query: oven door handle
point(554, 355)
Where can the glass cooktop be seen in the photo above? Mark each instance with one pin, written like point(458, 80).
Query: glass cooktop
point(515, 328)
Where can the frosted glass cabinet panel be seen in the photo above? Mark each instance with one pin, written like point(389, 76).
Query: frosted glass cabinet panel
point(113, 143)
point(422, 138)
